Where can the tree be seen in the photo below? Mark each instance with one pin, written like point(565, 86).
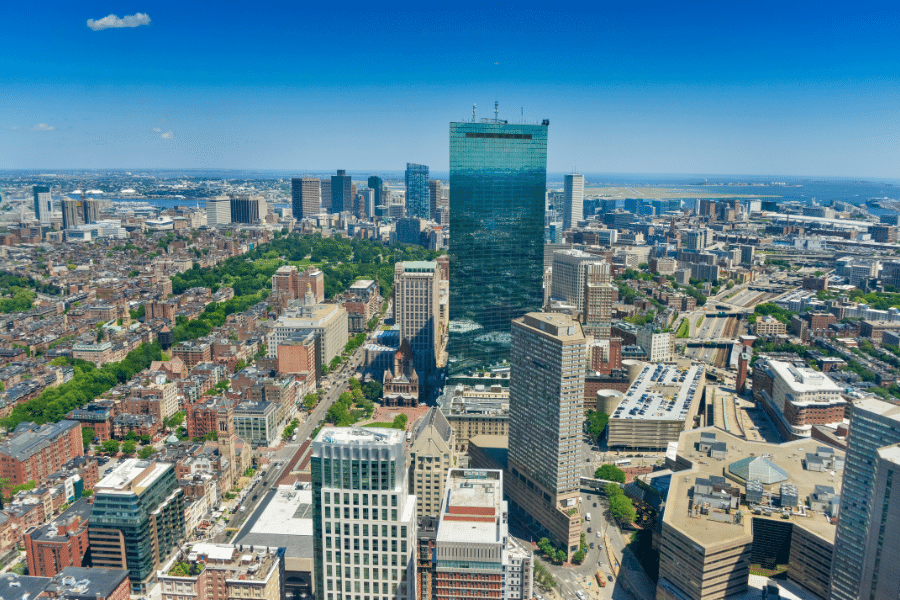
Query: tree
point(87, 436)
point(310, 401)
point(611, 473)
point(146, 452)
point(128, 447)
point(145, 439)
point(240, 365)
point(372, 390)
point(578, 557)
point(400, 421)
point(131, 436)
point(110, 447)
point(622, 508)
point(597, 423)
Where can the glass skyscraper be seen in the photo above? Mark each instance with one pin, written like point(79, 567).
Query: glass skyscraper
point(418, 200)
point(498, 182)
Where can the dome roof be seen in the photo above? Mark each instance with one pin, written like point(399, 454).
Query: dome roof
point(757, 468)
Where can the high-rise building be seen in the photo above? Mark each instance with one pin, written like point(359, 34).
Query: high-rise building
point(862, 529)
point(498, 185)
point(431, 455)
point(473, 548)
point(368, 202)
point(417, 312)
point(409, 230)
point(138, 519)
point(91, 209)
point(305, 197)
point(325, 193)
point(43, 204)
point(376, 184)
point(362, 511)
point(341, 192)
point(598, 300)
point(694, 239)
point(218, 211)
point(747, 255)
point(546, 407)
point(434, 198)
point(247, 209)
point(71, 213)
point(418, 198)
point(573, 200)
point(568, 280)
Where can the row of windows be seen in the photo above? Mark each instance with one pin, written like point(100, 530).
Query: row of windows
point(395, 560)
point(365, 513)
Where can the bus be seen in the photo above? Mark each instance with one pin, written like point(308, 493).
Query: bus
point(623, 462)
point(601, 580)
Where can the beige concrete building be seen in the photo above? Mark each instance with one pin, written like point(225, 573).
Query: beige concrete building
point(548, 359)
point(476, 410)
point(431, 456)
point(769, 326)
point(329, 321)
point(417, 310)
point(659, 405)
point(733, 503)
point(568, 277)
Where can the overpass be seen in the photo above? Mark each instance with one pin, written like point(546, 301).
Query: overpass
point(591, 484)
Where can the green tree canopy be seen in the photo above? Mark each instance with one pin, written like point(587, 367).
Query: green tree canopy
point(611, 473)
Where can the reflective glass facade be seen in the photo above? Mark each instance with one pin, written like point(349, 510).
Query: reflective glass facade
point(498, 181)
point(417, 195)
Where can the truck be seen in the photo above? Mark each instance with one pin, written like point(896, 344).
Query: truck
point(601, 580)
point(622, 462)
point(587, 516)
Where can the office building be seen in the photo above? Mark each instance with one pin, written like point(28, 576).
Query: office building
point(417, 312)
point(498, 183)
point(475, 410)
point(546, 398)
point(305, 197)
point(257, 423)
point(569, 267)
point(734, 504)
point(208, 571)
point(71, 213)
point(34, 452)
point(747, 253)
point(218, 211)
point(660, 345)
point(418, 199)
point(91, 209)
point(409, 230)
point(341, 192)
point(862, 528)
point(659, 405)
point(799, 398)
point(292, 284)
point(247, 209)
point(362, 510)
point(573, 200)
point(368, 203)
point(434, 198)
point(431, 455)
point(473, 548)
point(596, 315)
point(376, 184)
point(325, 193)
point(84, 583)
point(138, 519)
point(43, 204)
point(328, 321)
point(694, 239)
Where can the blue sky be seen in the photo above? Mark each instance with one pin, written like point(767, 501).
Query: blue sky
point(629, 87)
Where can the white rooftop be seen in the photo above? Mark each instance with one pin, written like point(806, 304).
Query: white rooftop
point(285, 515)
point(803, 379)
point(360, 435)
point(122, 478)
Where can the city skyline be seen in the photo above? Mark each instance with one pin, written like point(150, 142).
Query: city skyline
point(703, 90)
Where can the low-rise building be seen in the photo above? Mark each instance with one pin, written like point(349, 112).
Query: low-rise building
point(659, 405)
point(61, 543)
point(475, 410)
point(81, 583)
point(769, 326)
point(34, 452)
point(799, 397)
point(257, 423)
point(224, 572)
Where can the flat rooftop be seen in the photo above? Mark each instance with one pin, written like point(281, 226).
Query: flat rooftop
point(473, 507)
point(789, 456)
point(284, 519)
point(360, 435)
point(131, 476)
point(660, 393)
point(803, 379)
point(243, 564)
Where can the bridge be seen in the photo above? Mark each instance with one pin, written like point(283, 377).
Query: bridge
point(591, 484)
point(718, 342)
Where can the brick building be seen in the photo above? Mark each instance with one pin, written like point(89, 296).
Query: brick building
point(160, 310)
point(192, 352)
point(61, 543)
point(34, 452)
point(875, 329)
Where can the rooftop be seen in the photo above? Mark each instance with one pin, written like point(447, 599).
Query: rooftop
point(788, 458)
point(284, 519)
point(803, 379)
point(244, 564)
point(660, 393)
point(473, 509)
point(131, 476)
point(360, 435)
point(87, 584)
point(29, 438)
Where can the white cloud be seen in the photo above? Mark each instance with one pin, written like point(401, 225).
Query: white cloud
point(167, 135)
point(157, 130)
point(43, 127)
point(112, 21)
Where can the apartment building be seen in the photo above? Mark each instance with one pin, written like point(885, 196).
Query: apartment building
point(33, 452)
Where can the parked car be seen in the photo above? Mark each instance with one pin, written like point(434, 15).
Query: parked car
point(589, 529)
point(592, 545)
point(609, 577)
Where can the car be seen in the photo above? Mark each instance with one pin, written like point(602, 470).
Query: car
point(609, 577)
point(589, 530)
point(592, 545)
point(595, 504)
point(598, 534)
point(588, 496)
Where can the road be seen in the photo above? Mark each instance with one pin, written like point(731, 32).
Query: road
point(280, 458)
